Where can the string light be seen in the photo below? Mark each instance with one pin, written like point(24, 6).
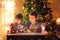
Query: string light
point(58, 21)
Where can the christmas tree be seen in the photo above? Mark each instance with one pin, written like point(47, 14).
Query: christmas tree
point(42, 8)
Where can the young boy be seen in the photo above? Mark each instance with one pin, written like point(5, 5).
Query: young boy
point(17, 25)
point(33, 25)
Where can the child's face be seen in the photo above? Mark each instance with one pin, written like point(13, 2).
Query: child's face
point(32, 18)
point(18, 20)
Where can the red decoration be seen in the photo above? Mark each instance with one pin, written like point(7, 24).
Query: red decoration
point(11, 25)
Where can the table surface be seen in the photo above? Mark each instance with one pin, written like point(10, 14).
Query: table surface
point(25, 34)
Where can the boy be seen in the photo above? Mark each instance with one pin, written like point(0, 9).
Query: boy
point(17, 25)
point(33, 25)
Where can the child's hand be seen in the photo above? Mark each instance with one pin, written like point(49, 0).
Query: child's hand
point(21, 27)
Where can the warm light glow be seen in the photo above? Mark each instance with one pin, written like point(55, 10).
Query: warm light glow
point(7, 14)
point(23, 7)
point(9, 6)
point(9, 19)
point(7, 29)
point(58, 21)
point(9, 11)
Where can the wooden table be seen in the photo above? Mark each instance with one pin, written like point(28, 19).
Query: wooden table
point(26, 36)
